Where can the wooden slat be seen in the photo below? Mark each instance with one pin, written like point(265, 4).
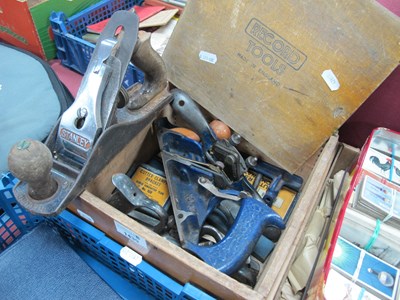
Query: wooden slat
point(279, 262)
point(163, 254)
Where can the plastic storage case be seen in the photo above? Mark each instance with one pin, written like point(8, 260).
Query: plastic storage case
point(15, 222)
point(73, 51)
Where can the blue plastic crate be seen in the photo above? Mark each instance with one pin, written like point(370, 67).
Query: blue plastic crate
point(15, 222)
point(96, 243)
point(73, 51)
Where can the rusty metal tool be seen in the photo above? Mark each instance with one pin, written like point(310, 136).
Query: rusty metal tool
point(149, 210)
point(220, 152)
point(97, 126)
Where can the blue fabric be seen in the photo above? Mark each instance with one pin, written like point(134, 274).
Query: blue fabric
point(29, 106)
point(41, 265)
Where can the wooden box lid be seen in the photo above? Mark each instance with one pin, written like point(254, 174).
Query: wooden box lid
point(283, 74)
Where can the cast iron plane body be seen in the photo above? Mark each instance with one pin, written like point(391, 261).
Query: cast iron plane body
point(98, 125)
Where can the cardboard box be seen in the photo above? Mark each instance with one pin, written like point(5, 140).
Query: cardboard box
point(284, 74)
point(25, 24)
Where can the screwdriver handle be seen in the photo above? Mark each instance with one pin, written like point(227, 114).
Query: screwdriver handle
point(185, 107)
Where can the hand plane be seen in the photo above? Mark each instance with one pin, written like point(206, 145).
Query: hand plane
point(97, 126)
point(217, 151)
point(199, 178)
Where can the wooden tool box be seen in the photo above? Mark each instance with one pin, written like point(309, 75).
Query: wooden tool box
point(285, 75)
point(181, 265)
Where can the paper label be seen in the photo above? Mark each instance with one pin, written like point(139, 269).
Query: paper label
point(133, 237)
point(152, 185)
point(208, 57)
point(282, 202)
point(130, 256)
point(85, 216)
point(331, 80)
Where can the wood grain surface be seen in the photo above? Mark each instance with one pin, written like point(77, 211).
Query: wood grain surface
point(257, 66)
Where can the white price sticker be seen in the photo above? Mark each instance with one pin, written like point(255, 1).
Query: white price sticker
point(130, 256)
point(85, 216)
point(331, 80)
point(208, 57)
point(133, 237)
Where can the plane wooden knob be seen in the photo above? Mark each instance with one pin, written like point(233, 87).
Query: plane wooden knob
point(31, 161)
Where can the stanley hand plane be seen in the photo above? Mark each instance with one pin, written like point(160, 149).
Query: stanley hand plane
point(97, 126)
